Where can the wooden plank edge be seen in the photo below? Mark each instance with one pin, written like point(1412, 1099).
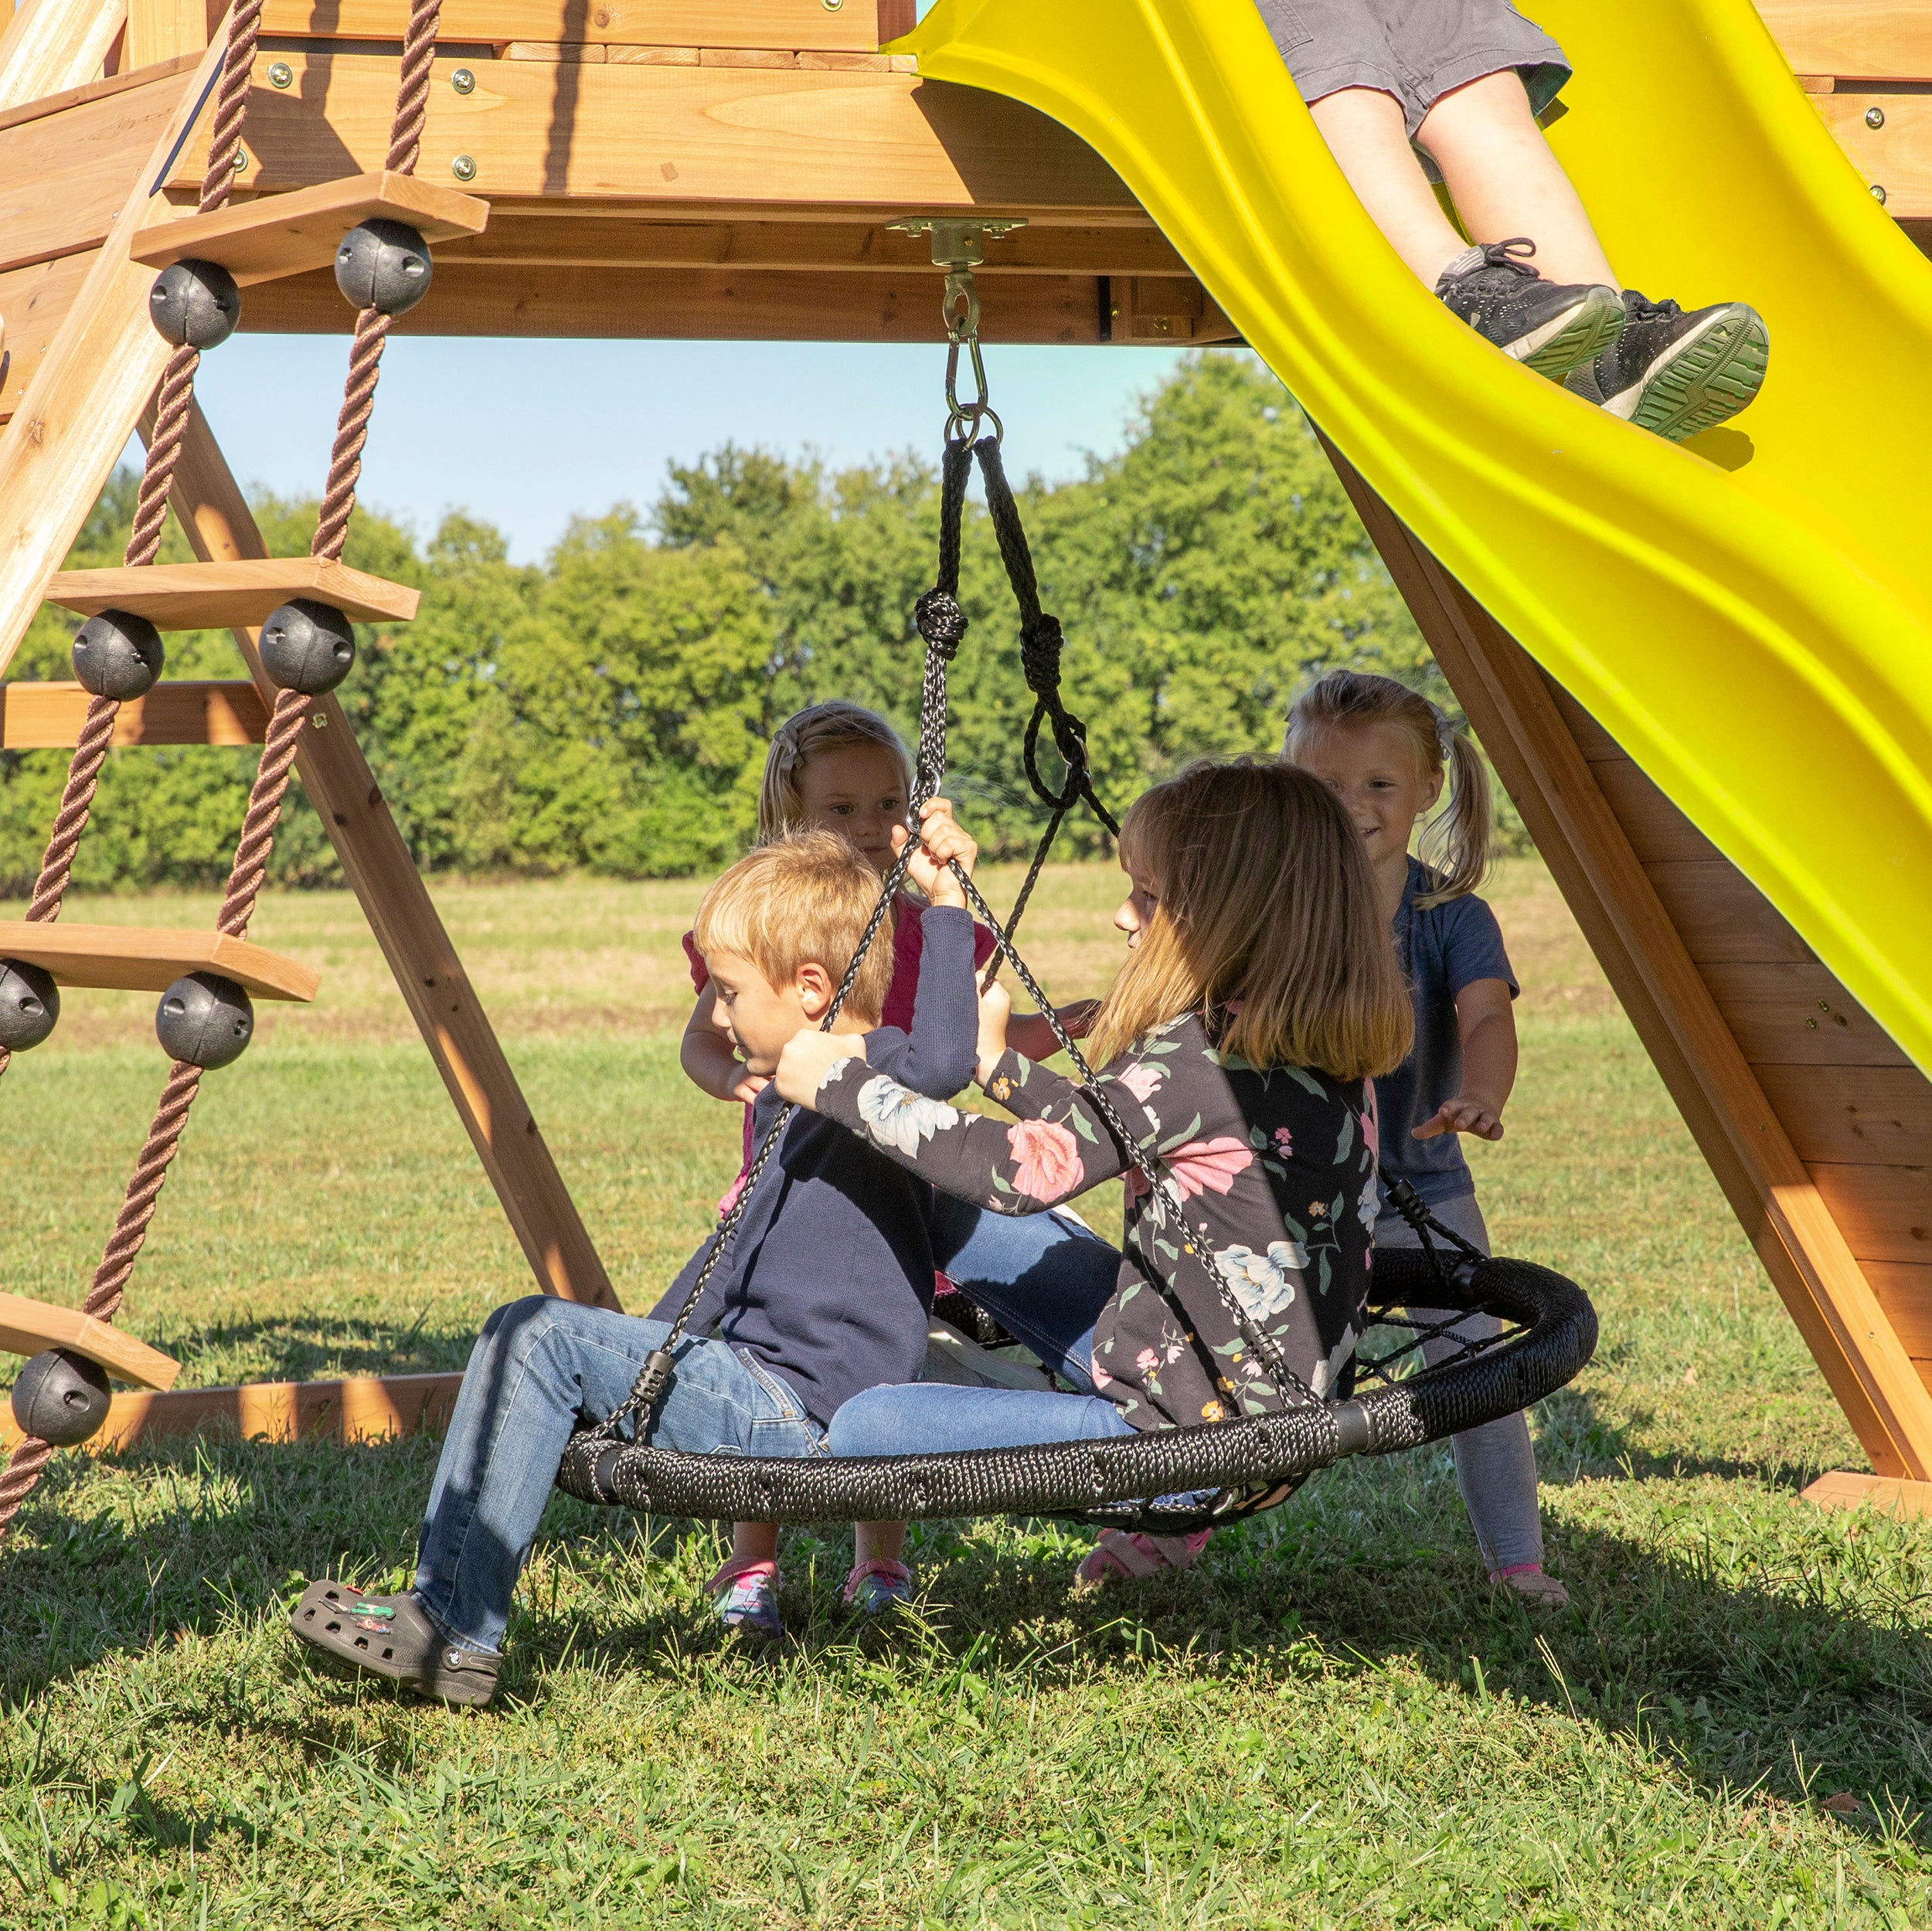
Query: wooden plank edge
point(54, 104)
point(359, 1408)
point(1842, 1488)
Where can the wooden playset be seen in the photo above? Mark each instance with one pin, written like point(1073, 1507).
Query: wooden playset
point(746, 169)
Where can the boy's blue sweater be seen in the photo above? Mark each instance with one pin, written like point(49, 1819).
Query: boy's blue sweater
point(828, 1282)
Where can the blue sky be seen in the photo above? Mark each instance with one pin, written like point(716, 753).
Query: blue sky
point(525, 434)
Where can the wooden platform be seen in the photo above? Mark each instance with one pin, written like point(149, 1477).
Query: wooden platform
point(30, 1326)
point(48, 716)
point(364, 1409)
point(129, 958)
point(1841, 1489)
point(277, 235)
point(197, 597)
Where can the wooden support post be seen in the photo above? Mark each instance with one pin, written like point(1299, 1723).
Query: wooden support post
point(161, 29)
point(1511, 708)
point(445, 1007)
point(71, 423)
point(50, 45)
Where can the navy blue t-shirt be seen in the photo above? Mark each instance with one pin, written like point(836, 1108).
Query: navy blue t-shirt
point(828, 1280)
point(1440, 950)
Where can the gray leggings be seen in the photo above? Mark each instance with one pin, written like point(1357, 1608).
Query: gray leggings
point(1496, 1468)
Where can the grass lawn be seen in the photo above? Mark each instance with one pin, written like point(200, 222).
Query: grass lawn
point(1331, 1721)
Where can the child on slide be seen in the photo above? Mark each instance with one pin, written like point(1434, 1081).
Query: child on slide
point(842, 768)
point(780, 1339)
point(1461, 83)
point(1259, 996)
point(1382, 749)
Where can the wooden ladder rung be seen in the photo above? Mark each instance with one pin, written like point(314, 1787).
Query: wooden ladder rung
point(133, 958)
point(31, 1327)
point(40, 717)
point(197, 597)
point(289, 234)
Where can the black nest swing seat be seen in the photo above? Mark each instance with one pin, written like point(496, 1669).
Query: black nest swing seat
point(1169, 1480)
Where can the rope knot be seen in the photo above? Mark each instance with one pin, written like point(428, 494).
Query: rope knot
point(1040, 643)
point(941, 622)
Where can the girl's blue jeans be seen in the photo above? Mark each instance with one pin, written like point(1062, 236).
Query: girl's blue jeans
point(542, 1365)
point(1044, 1279)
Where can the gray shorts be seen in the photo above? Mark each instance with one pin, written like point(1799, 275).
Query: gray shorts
point(1417, 50)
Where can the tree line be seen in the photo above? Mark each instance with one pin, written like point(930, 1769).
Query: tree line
point(608, 709)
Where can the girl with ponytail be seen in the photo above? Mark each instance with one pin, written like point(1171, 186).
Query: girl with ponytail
point(1389, 754)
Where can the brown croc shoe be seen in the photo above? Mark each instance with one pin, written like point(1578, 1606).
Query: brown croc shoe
point(392, 1636)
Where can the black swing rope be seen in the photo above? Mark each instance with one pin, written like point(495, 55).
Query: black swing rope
point(1238, 1467)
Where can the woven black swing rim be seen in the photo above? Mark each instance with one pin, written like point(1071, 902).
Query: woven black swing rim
point(1249, 1465)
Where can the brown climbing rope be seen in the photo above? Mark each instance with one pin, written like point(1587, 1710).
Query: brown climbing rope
point(292, 710)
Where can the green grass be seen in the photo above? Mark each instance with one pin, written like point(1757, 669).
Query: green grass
point(1332, 1720)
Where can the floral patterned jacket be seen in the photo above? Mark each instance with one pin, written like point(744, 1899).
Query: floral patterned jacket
point(1272, 1170)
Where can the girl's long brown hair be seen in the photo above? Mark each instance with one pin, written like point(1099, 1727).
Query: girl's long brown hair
point(1266, 913)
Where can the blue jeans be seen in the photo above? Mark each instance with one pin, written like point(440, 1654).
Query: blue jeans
point(1044, 1279)
point(539, 1367)
point(929, 1417)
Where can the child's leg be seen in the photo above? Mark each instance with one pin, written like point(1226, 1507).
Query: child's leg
point(1505, 180)
point(1043, 1278)
point(1495, 1466)
point(1369, 136)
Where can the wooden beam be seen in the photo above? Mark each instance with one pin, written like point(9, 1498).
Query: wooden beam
point(200, 596)
point(720, 305)
point(56, 103)
point(1549, 775)
point(738, 138)
point(37, 717)
point(855, 24)
point(384, 878)
point(64, 177)
point(163, 30)
point(1880, 39)
point(1897, 155)
point(136, 958)
point(31, 1327)
point(50, 45)
point(528, 233)
point(277, 235)
point(1841, 1489)
point(363, 1409)
point(70, 426)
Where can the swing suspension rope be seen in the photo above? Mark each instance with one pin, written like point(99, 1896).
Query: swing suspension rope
point(1247, 1465)
point(174, 400)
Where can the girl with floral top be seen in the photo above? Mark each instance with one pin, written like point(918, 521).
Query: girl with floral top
point(1259, 996)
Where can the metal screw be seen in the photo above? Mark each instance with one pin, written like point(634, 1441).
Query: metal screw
point(281, 75)
point(832, 6)
point(319, 721)
point(1877, 194)
point(462, 81)
point(1875, 116)
point(463, 167)
point(241, 159)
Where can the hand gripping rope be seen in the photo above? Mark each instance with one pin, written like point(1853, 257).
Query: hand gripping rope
point(1206, 1474)
point(174, 402)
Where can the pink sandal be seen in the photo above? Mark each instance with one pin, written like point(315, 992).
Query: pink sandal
point(1119, 1556)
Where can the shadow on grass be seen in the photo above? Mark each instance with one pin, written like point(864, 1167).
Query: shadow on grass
point(1748, 1639)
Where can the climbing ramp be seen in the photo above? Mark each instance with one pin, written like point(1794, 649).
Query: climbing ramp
point(1691, 665)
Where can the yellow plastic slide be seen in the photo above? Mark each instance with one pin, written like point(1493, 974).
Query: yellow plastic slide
point(1750, 614)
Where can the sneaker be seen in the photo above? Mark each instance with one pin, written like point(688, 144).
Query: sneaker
point(1529, 1584)
point(392, 1636)
point(746, 1596)
point(1675, 374)
point(876, 1586)
point(1548, 326)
